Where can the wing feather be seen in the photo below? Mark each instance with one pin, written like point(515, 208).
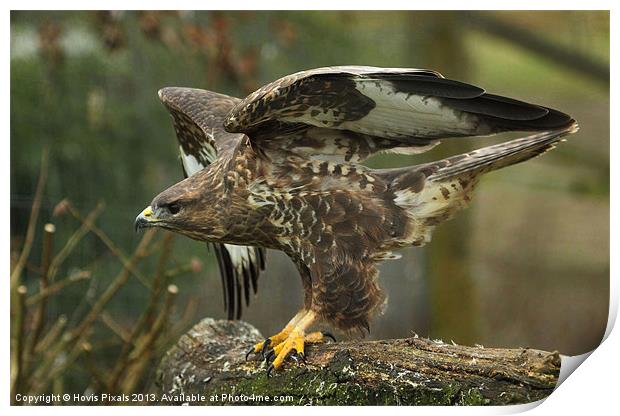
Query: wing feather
point(198, 121)
point(399, 107)
point(198, 117)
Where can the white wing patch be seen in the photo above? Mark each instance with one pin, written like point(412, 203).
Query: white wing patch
point(190, 163)
point(400, 114)
point(241, 257)
point(209, 152)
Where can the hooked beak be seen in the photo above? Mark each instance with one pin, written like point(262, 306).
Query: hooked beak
point(145, 219)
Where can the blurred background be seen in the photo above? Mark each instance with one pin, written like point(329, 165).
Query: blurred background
point(527, 265)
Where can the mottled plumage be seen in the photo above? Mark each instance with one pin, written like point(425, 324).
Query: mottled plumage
point(282, 170)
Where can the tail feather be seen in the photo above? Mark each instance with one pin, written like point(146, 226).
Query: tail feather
point(434, 192)
point(500, 155)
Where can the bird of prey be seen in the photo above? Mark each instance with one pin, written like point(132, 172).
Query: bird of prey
point(282, 169)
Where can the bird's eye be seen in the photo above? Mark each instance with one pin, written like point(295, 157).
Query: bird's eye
point(174, 208)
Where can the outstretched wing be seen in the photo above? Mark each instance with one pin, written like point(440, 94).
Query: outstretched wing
point(359, 110)
point(198, 121)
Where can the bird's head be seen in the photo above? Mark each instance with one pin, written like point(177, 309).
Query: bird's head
point(188, 207)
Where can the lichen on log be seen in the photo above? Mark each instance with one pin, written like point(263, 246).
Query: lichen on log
point(207, 366)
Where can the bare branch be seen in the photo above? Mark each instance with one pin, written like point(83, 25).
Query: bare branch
point(141, 356)
point(118, 282)
point(73, 241)
point(17, 342)
point(52, 334)
point(109, 244)
point(58, 286)
point(210, 358)
point(99, 377)
point(32, 221)
point(159, 282)
point(71, 341)
point(38, 320)
point(115, 327)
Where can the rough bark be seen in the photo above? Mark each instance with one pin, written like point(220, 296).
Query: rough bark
point(207, 366)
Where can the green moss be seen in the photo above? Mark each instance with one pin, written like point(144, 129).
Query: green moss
point(344, 381)
point(327, 387)
point(472, 397)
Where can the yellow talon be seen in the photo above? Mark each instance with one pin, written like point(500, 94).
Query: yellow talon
point(278, 348)
point(292, 338)
point(278, 338)
point(297, 342)
point(294, 342)
point(273, 341)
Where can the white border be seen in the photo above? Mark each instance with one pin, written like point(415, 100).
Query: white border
point(593, 386)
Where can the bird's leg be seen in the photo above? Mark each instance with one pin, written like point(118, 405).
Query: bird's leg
point(278, 338)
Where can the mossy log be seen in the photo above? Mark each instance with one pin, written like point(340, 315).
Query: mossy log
point(207, 366)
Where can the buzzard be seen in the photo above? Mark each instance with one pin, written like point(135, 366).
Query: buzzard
point(282, 169)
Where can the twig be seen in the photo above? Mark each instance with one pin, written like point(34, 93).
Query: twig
point(111, 290)
point(161, 278)
point(115, 327)
point(98, 375)
point(58, 286)
point(58, 387)
point(32, 268)
point(47, 371)
point(141, 355)
point(38, 320)
point(159, 282)
point(177, 271)
point(109, 244)
point(18, 337)
point(32, 221)
point(73, 241)
point(52, 334)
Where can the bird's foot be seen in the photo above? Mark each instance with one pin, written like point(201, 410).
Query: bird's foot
point(289, 341)
point(294, 345)
point(268, 344)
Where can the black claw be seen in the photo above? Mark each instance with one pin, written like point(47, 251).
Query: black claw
point(271, 354)
point(265, 346)
point(297, 356)
point(250, 351)
point(329, 335)
point(269, 370)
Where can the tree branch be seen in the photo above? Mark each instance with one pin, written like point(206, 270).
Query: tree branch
point(209, 361)
point(16, 273)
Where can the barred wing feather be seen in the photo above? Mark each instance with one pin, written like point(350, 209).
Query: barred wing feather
point(198, 117)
